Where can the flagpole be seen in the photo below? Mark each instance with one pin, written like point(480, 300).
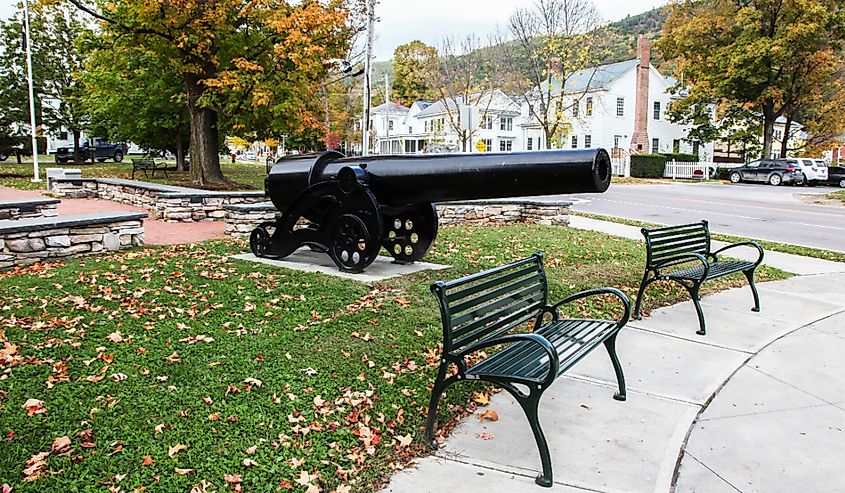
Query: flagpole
point(371, 5)
point(36, 175)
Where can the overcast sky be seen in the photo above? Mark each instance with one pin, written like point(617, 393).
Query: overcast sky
point(401, 21)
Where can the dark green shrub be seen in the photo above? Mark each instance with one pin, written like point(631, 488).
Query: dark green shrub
point(647, 165)
point(680, 157)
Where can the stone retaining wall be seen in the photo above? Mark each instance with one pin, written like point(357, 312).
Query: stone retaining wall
point(38, 240)
point(26, 209)
point(242, 219)
point(170, 204)
point(511, 211)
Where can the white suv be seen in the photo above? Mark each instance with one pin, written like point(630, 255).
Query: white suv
point(814, 170)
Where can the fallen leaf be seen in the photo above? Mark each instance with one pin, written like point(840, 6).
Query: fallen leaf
point(33, 407)
point(173, 358)
point(159, 429)
point(61, 445)
point(183, 472)
point(402, 302)
point(489, 414)
point(115, 337)
point(148, 461)
point(119, 377)
point(251, 450)
point(207, 400)
point(484, 436)
point(249, 463)
point(253, 381)
point(404, 441)
point(171, 451)
point(481, 399)
point(588, 408)
point(232, 478)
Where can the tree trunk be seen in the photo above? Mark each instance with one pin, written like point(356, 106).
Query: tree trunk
point(76, 134)
point(769, 117)
point(783, 145)
point(547, 132)
point(205, 142)
point(180, 151)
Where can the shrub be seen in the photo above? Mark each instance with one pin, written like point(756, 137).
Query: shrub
point(648, 165)
point(680, 157)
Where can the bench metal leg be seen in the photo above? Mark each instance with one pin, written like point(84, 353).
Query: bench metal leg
point(749, 274)
point(696, 299)
point(643, 284)
point(530, 405)
point(610, 344)
point(439, 386)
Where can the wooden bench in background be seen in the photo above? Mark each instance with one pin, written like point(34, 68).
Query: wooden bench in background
point(148, 164)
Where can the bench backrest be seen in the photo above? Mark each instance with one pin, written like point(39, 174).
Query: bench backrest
point(143, 162)
point(491, 303)
point(665, 244)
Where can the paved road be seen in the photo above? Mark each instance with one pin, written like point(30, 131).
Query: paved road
point(755, 211)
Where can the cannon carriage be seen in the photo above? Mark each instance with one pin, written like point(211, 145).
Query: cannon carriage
point(352, 207)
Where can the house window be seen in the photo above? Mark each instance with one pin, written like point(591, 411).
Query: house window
point(588, 141)
point(778, 134)
point(695, 148)
point(575, 109)
point(617, 139)
point(575, 142)
point(655, 146)
point(390, 125)
point(620, 106)
point(530, 144)
point(489, 144)
point(657, 110)
point(426, 126)
point(589, 107)
point(506, 124)
point(487, 122)
point(63, 135)
point(676, 145)
point(506, 145)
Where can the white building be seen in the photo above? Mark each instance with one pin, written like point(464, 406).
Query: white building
point(601, 109)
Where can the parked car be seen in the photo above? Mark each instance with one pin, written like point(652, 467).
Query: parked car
point(101, 150)
point(836, 176)
point(814, 170)
point(771, 171)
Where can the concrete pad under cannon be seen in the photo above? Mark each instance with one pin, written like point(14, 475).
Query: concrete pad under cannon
point(596, 442)
point(450, 475)
point(306, 260)
point(663, 365)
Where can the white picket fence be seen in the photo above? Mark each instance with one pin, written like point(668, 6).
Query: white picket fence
point(621, 166)
point(687, 170)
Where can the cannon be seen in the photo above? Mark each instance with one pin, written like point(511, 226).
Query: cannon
point(352, 207)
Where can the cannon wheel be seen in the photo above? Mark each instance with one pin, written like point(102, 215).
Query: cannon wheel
point(353, 246)
point(259, 239)
point(410, 231)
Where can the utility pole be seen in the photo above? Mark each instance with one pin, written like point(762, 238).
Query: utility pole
point(36, 178)
point(371, 5)
point(387, 110)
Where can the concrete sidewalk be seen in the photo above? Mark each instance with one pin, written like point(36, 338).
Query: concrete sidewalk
point(756, 405)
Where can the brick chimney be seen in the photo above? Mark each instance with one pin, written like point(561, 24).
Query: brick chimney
point(639, 139)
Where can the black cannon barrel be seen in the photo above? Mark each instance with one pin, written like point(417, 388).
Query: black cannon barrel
point(402, 180)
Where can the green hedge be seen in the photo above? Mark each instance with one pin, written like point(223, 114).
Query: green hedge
point(680, 157)
point(648, 165)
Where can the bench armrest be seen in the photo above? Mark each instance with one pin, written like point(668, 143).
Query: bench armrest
point(554, 363)
point(686, 256)
point(742, 244)
point(594, 292)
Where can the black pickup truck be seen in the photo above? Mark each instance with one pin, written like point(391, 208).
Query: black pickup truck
point(101, 150)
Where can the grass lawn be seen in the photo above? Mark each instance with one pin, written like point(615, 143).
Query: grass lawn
point(248, 175)
point(167, 369)
point(837, 196)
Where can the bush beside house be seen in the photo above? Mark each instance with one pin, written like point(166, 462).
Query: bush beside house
point(648, 165)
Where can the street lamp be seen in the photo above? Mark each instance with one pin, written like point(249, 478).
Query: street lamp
point(36, 178)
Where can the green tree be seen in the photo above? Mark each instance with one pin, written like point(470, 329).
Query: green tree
point(55, 35)
point(414, 64)
point(249, 68)
point(133, 97)
point(765, 56)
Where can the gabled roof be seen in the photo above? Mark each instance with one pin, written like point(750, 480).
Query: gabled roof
point(395, 109)
point(499, 102)
point(594, 78)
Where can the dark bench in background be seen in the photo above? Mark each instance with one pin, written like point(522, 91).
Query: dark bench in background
point(491, 309)
point(682, 254)
point(147, 164)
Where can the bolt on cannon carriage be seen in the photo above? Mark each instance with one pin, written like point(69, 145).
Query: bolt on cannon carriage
point(352, 207)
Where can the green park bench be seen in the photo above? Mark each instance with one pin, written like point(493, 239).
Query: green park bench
point(682, 254)
point(148, 164)
point(507, 306)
